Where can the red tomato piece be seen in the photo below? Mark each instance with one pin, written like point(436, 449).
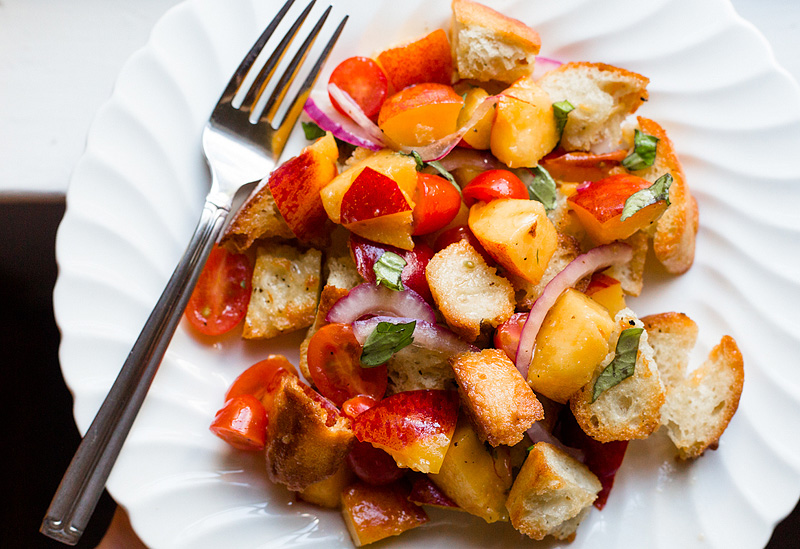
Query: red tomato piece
point(462, 232)
point(436, 204)
point(242, 423)
point(220, 298)
point(492, 184)
point(358, 404)
point(334, 360)
point(256, 379)
point(363, 80)
point(373, 465)
point(506, 337)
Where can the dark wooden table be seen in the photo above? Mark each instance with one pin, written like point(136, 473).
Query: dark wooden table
point(41, 434)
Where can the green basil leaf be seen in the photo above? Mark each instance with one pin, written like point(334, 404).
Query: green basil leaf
point(385, 340)
point(652, 194)
point(622, 367)
point(312, 131)
point(644, 151)
point(541, 186)
point(561, 111)
point(388, 270)
point(436, 165)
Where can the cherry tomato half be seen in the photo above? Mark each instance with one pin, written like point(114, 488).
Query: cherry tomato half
point(358, 404)
point(437, 202)
point(257, 378)
point(373, 465)
point(334, 361)
point(242, 423)
point(493, 184)
point(219, 301)
point(363, 80)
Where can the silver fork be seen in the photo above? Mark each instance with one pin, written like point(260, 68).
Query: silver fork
point(238, 152)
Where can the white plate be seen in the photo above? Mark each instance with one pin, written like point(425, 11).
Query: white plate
point(137, 192)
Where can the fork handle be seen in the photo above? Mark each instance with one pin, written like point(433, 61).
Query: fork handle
point(85, 478)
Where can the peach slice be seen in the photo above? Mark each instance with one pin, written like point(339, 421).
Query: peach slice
point(373, 513)
point(524, 128)
point(479, 135)
point(425, 60)
point(414, 427)
point(599, 208)
point(607, 291)
point(420, 114)
point(295, 187)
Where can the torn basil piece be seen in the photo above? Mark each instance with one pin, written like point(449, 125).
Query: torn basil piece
point(652, 194)
point(312, 131)
point(623, 365)
point(436, 165)
point(385, 340)
point(541, 186)
point(644, 151)
point(388, 270)
point(561, 111)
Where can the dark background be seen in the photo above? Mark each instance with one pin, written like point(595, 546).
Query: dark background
point(41, 434)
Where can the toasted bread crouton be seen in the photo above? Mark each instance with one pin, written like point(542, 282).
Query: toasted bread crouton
point(285, 291)
point(630, 409)
point(552, 493)
point(672, 337)
point(490, 46)
point(416, 368)
point(526, 293)
point(676, 229)
point(631, 274)
point(697, 410)
point(499, 402)
point(307, 438)
point(603, 96)
point(258, 217)
point(469, 293)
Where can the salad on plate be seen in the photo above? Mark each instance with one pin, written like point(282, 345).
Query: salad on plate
point(459, 238)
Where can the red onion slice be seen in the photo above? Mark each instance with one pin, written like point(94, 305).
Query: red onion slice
point(319, 108)
point(595, 259)
point(543, 65)
point(426, 334)
point(354, 111)
point(378, 300)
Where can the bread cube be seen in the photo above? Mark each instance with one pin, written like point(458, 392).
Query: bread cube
point(490, 46)
point(416, 367)
point(258, 217)
point(631, 274)
point(698, 409)
point(552, 493)
point(603, 96)
point(499, 402)
point(285, 291)
point(470, 294)
point(676, 229)
point(630, 409)
point(307, 438)
point(328, 492)
point(672, 337)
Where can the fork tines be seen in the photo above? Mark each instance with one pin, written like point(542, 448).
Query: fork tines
point(250, 103)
